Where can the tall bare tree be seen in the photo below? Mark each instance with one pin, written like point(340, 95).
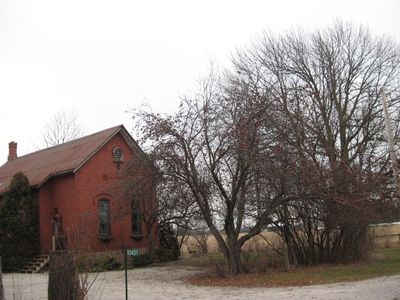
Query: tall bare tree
point(62, 128)
point(325, 87)
point(294, 137)
point(212, 147)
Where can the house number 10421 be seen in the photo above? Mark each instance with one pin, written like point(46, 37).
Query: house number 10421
point(132, 252)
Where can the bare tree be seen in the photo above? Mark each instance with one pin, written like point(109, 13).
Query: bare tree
point(62, 128)
point(294, 137)
point(212, 147)
point(325, 87)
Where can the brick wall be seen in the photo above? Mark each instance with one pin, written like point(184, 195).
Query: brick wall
point(76, 196)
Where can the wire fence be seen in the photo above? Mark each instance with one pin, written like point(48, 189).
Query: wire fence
point(19, 286)
point(28, 286)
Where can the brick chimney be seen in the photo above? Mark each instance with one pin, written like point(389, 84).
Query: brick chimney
point(12, 151)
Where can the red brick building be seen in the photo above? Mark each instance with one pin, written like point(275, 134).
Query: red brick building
point(79, 189)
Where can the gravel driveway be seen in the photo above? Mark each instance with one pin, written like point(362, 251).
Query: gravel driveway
point(163, 282)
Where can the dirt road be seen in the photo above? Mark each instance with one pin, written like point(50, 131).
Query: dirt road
point(163, 282)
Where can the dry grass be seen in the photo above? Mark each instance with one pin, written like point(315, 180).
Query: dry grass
point(384, 236)
point(383, 262)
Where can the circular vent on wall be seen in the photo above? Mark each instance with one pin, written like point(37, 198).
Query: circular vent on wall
point(118, 155)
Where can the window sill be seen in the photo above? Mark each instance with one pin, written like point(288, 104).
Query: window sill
point(104, 238)
point(137, 236)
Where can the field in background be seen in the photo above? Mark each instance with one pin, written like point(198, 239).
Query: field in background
point(386, 235)
point(383, 262)
point(382, 235)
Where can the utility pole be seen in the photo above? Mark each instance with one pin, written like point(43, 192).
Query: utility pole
point(392, 151)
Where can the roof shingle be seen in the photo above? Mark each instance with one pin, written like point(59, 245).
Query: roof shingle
point(41, 165)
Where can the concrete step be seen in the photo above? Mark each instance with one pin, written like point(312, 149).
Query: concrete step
point(36, 264)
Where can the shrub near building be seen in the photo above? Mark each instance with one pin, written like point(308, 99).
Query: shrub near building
point(19, 225)
point(169, 247)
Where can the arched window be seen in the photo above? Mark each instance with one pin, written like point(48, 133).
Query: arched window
point(104, 218)
point(118, 155)
point(135, 218)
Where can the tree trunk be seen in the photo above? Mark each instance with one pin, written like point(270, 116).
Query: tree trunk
point(234, 260)
point(150, 244)
point(286, 260)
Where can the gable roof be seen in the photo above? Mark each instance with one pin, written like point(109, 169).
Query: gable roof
point(61, 159)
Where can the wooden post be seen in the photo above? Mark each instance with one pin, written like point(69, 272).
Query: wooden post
point(1, 283)
point(63, 277)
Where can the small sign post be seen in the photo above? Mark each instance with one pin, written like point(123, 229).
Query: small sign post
point(126, 275)
point(128, 252)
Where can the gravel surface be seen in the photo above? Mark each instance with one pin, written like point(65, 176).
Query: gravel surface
point(163, 282)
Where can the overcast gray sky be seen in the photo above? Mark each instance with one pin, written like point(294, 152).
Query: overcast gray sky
point(100, 58)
